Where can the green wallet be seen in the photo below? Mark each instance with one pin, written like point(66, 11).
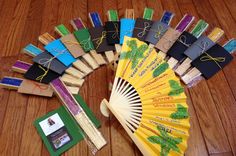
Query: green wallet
point(60, 131)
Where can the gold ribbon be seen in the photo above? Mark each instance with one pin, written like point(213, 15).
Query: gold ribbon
point(183, 39)
point(144, 30)
point(116, 32)
point(99, 40)
point(41, 77)
point(47, 62)
point(158, 32)
point(86, 44)
point(203, 46)
point(217, 60)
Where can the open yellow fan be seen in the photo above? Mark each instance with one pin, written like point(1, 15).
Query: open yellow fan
point(149, 101)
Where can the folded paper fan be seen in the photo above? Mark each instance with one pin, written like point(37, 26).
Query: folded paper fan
point(149, 101)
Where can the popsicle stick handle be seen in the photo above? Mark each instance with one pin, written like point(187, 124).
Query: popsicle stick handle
point(46, 38)
point(71, 80)
point(82, 67)
point(74, 72)
point(129, 13)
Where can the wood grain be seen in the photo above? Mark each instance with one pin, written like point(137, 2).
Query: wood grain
point(36, 106)
point(221, 94)
point(157, 7)
point(212, 104)
point(196, 142)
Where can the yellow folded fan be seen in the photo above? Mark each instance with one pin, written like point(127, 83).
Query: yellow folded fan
point(149, 101)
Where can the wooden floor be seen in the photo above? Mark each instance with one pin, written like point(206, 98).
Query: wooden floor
point(211, 103)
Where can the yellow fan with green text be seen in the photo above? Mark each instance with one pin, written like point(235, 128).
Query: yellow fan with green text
point(149, 101)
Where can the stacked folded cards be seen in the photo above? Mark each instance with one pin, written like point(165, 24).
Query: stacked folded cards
point(147, 97)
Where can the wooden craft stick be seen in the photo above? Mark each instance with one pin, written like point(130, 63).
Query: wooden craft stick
point(73, 90)
point(74, 47)
point(31, 50)
point(46, 38)
point(84, 38)
point(183, 43)
point(70, 80)
point(74, 72)
point(191, 75)
point(129, 13)
point(90, 60)
point(21, 66)
point(213, 37)
point(96, 22)
point(82, 67)
point(78, 113)
point(10, 82)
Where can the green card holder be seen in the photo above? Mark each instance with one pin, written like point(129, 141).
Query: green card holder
point(70, 124)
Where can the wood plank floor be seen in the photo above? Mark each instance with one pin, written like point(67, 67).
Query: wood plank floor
point(212, 104)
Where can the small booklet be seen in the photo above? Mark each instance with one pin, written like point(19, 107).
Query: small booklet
point(59, 130)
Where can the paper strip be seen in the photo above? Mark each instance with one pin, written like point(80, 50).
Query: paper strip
point(199, 28)
point(77, 24)
point(95, 19)
point(148, 13)
point(113, 15)
point(21, 66)
point(10, 82)
point(185, 22)
point(62, 30)
point(31, 50)
point(167, 17)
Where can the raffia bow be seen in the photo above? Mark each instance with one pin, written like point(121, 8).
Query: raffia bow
point(217, 60)
point(99, 40)
point(144, 30)
point(115, 32)
point(183, 39)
